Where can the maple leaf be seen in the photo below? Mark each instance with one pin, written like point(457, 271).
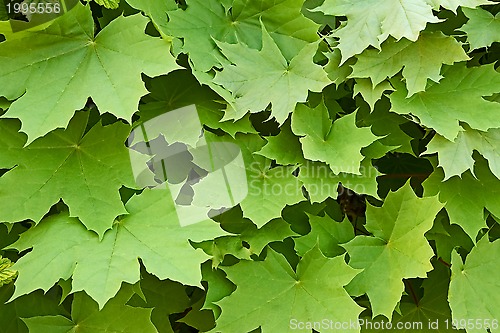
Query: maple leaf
point(431, 312)
point(35, 304)
point(151, 232)
point(258, 78)
point(456, 157)
point(267, 190)
point(466, 197)
point(274, 147)
point(321, 182)
point(371, 94)
point(327, 234)
point(312, 293)
point(370, 22)
point(85, 170)
point(461, 90)
point(93, 67)
point(338, 144)
point(110, 4)
point(164, 297)
point(482, 29)
point(238, 22)
point(474, 291)
point(11, 142)
point(454, 4)
point(421, 60)
point(397, 249)
point(116, 316)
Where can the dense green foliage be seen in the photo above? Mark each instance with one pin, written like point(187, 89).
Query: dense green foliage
point(250, 166)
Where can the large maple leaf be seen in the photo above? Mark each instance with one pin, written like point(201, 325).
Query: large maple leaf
point(259, 78)
point(66, 64)
point(85, 170)
point(421, 60)
point(458, 97)
point(474, 289)
point(63, 248)
point(397, 250)
point(311, 294)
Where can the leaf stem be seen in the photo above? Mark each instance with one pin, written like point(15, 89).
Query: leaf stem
point(412, 292)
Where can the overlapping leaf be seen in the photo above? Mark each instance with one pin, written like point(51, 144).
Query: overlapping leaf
point(370, 22)
point(466, 198)
point(116, 316)
point(338, 144)
point(458, 97)
point(314, 292)
point(482, 28)
point(397, 249)
point(259, 78)
point(421, 60)
point(238, 21)
point(456, 157)
point(474, 287)
point(86, 170)
point(63, 248)
point(66, 64)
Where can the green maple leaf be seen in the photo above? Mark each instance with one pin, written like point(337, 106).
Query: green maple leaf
point(456, 157)
point(431, 313)
point(482, 29)
point(274, 147)
point(466, 197)
point(397, 249)
point(85, 170)
point(474, 290)
point(327, 234)
point(35, 304)
point(454, 4)
point(164, 297)
point(256, 239)
point(157, 10)
point(92, 66)
point(371, 94)
point(312, 293)
point(11, 142)
point(86, 317)
point(389, 126)
point(111, 4)
point(151, 232)
point(461, 90)
point(207, 20)
point(447, 236)
point(321, 183)
point(370, 22)
point(338, 144)
point(267, 190)
point(420, 60)
point(259, 78)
